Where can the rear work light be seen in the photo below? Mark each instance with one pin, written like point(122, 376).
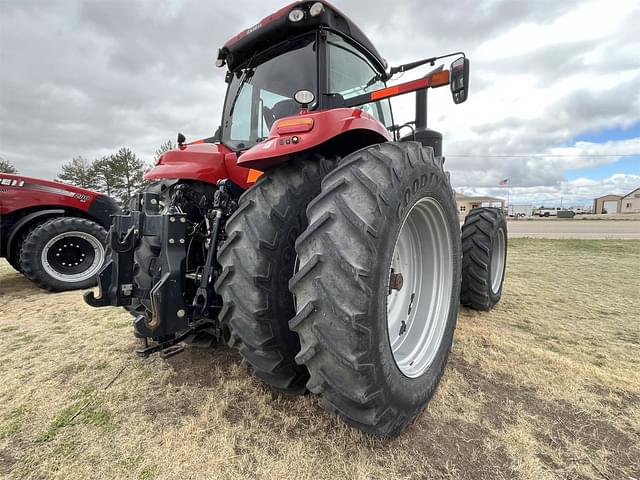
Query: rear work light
point(316, 9)
point(294, 125)
point(296, 15)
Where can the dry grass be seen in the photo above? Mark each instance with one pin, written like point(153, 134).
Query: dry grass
point(545, 386)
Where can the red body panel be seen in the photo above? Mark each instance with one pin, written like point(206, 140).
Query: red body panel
point(210, 162)
point(18, 192)
point(328, 124)
point(205, 162)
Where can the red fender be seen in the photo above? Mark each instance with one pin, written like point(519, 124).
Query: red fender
point(327, 125)
point(205, 162)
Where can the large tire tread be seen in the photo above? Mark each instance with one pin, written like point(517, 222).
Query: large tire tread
point(478, 231)
point(254, 282)
point(14, 256)
point(335, 330)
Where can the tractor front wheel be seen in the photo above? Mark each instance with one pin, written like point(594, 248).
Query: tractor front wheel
point(378, 286)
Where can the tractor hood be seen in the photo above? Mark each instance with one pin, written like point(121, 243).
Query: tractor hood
point(200, 161)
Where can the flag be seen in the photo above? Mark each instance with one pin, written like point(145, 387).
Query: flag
point(504, 183)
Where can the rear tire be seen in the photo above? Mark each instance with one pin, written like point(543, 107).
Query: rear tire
point(378, 202)
point(484, 247)
point(257, 260)
point(64, 253)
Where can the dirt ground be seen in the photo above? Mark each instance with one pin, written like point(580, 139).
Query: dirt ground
point(546, 386)
point(573, 228)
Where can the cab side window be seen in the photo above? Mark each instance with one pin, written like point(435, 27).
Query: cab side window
point(350, 75)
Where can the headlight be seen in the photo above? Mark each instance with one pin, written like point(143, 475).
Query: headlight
point(296, 15)
point(316, 9)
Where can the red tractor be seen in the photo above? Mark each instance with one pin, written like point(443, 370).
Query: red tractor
point(307, 232)
point(55, 234)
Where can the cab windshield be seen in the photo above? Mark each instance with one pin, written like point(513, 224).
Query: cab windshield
point(262, 91)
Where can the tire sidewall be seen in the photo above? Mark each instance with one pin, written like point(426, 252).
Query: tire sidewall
point(415, 186)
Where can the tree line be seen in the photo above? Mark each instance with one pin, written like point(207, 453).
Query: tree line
point(7, 167)
point(118, 175)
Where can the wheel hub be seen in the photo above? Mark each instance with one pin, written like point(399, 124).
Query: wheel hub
point(72, 256)
point(396, 281)
point(420, 287)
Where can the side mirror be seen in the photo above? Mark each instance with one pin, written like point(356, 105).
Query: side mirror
point(460, 80)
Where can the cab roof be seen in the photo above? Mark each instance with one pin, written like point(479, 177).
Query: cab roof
point(277, 28)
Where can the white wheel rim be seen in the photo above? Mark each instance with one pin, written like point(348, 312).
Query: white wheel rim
point(88, 272)
point(418, 312)
point(497, 261)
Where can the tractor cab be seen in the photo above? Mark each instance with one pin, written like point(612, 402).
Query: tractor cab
point(309, 59)
point(306, 47)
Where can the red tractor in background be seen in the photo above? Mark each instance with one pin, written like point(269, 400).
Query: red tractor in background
point(53, 233)
point(307, 232)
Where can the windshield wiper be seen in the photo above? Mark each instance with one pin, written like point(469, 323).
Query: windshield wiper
point(376, 78)
point(246, 77)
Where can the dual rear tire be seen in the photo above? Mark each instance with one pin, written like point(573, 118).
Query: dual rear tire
point(375, 277)
point(373, 252)
point(378, 286)
point(257, 260)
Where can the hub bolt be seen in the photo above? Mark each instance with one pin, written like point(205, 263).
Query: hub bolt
point(396, 281)
point(181, 313)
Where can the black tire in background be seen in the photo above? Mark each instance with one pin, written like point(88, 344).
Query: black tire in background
point(343, 287)
point(484, 250)
point(146, 273)
point(14, 256)
point(145, 260)
point(257, 260)
point(64, 253)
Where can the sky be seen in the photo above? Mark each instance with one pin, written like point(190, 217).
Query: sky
point(554, 101)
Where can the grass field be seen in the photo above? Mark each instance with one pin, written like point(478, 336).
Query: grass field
point(545, 386)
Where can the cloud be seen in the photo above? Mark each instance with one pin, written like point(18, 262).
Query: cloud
point(84, 78)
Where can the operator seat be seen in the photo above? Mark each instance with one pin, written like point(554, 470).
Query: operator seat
point(284, 108)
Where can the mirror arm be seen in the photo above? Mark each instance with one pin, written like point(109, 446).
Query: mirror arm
point(412, 65)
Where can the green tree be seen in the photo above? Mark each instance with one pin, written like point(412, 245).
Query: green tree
point(106, 176)
point(124, 171)
point(7, 167)
point(165, 147)
point(80, 172)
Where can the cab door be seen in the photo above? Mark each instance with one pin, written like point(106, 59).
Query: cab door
point(350, 74)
